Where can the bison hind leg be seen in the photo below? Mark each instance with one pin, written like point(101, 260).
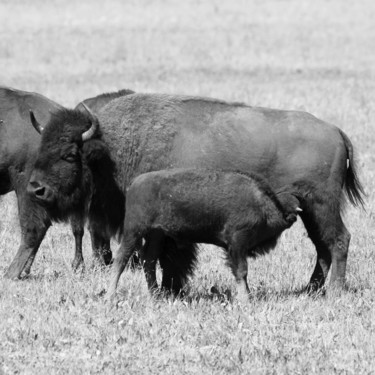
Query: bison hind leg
point(324, 225)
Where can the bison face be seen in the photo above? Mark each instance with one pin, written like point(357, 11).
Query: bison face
point(60, 179)
point(57, 174)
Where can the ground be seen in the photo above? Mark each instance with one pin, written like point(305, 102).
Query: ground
point(315, 56)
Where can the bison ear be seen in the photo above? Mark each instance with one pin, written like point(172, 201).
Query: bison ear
point(35, 123)
point(88, 134)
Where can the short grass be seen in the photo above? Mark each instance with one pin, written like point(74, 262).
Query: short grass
point(311, 55)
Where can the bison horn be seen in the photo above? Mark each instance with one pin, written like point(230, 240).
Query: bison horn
point(298, 209)
point(37, 126)
point(88, 134)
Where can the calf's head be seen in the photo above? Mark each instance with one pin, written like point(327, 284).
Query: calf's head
point(291, 207)
point(60, 179)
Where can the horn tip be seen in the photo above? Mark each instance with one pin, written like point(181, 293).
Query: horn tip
point(85, 106)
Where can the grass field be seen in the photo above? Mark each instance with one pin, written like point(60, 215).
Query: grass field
point(315, 56)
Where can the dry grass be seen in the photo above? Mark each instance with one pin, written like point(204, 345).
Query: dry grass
point(317, 56)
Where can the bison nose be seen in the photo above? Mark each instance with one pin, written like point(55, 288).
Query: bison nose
point(41, 192)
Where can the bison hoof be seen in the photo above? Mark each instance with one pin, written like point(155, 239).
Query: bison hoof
point(315, 289)
point(135, 262)
point(78, 264)
point(12, 274)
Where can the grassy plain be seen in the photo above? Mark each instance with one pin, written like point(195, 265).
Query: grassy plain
point(316, 56)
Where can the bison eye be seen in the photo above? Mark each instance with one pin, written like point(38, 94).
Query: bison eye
point(71, 157)
point(69, 153)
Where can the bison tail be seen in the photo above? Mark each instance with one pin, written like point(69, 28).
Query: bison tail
point(353, 187)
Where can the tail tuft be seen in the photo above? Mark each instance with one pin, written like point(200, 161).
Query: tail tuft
point(353, 187)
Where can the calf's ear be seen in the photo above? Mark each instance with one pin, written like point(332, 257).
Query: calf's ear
point(289, 201)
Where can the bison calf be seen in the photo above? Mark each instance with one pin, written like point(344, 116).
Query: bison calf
point(237, 212)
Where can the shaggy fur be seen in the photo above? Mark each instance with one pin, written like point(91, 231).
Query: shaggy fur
point(289, 149)
point(98, 102)
point(87, 170)
point(234, 211)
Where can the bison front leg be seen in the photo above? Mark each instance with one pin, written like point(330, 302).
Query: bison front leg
point(77, 225)
point(101, 245)
point(34, 224)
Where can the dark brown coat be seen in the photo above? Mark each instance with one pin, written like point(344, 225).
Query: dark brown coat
point(237, 212)
point(146, 132)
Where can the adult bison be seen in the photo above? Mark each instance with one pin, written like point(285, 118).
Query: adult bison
point(81, 161)
point(18, 150)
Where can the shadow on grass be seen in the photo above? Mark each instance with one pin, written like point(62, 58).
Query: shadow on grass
point(226, 295)
point(263, 293)
point(51, 276)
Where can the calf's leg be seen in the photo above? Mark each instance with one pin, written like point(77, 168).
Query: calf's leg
point(29, 263)
point(127, 247)
point(237, 251)
point(149, 256)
